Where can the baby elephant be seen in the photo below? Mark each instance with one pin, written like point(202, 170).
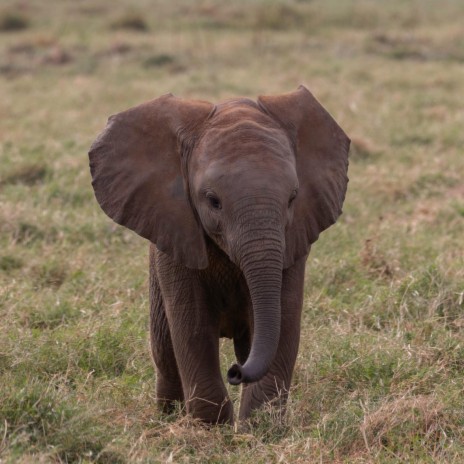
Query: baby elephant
point(231, 197)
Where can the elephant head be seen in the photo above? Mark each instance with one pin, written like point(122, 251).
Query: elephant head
point(260, 180)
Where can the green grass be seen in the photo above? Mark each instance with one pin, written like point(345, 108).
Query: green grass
point(380, 373)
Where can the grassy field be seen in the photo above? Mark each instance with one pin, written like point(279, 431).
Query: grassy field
point(380, 374)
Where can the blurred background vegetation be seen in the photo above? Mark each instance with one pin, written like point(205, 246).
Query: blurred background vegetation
point(379, 376)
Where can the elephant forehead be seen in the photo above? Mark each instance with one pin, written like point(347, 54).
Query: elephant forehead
point(253, 170)
point(244, 138)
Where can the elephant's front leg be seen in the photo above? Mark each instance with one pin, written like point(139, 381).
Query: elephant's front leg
point(273, 388)
point(168, 383)
point(194, 328)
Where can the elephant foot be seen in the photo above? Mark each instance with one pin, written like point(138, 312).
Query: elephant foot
point(263, 394)
point(168, 394)
point(167, 405)
point(211, 412)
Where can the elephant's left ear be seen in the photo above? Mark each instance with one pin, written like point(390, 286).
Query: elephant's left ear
point(321, 150)
point(137, 166)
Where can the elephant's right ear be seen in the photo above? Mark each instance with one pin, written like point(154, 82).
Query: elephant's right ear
point(137, 176)
point(321, 149)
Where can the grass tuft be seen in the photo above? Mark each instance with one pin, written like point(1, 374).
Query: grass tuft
point(26, 233)
point(160, 60)
point(10, 263)
point(48, 417)
point(419, 423)
point(363, 149)
point(130, 21)
point(50, 274)
point(29, 174)
point(11, 21)
point(374, 260)
point(277, 16)
point(53, 315)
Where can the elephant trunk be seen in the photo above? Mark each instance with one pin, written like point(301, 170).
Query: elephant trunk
point(261, 261)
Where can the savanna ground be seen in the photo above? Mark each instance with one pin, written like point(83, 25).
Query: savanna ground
point(379, 377)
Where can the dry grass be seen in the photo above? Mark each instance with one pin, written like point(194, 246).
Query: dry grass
point(422, 417)
point(11, 21)
point(379, 376)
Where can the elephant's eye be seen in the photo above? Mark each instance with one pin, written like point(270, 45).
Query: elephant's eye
point(213, 200)
point(292, 197)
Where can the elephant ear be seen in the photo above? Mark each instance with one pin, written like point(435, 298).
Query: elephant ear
point(137, 174)
point(321, 152)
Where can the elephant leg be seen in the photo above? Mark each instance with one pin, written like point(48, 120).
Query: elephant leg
point(168, 382)
point(273, 388)
point(194, 327)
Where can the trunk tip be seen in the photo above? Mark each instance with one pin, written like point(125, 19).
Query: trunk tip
point(235, 375)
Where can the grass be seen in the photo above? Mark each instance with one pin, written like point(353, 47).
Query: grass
point(380, 372)
point(12, 21)
point(130, 21)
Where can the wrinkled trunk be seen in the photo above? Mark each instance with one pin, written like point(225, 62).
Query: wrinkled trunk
point(261, 258)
